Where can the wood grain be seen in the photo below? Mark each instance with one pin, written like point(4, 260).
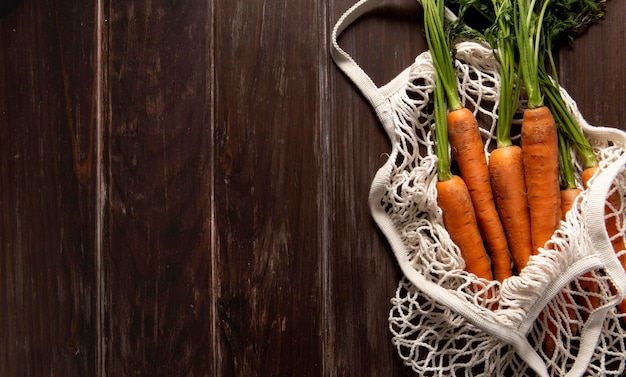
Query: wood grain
point(593, 70)
point(158, 238)
point(363, 274)
point(268, 156)
point(183, 185)
point(47, 270)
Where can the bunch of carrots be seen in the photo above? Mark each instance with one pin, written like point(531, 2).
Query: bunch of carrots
point(500, 211)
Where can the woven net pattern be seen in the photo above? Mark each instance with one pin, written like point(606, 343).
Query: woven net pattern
point(432, 337)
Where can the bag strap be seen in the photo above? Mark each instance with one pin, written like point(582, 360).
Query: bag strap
point(598, 192)
point(376, 95)
point(346, 63)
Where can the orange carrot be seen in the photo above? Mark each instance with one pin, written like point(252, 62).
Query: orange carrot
point(541, 173)
point(549, 317)
point(568, 197)
point(569, 188)
point(549, 339)
point(467, 148)
point(459, 219)
point(611, 222)
point(453, 195)
point(509, 189)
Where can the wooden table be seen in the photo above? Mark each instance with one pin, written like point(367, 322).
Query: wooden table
point(183, 185)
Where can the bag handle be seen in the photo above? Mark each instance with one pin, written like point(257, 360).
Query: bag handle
point(598, 192)
point(374, 94)
point(345, 62)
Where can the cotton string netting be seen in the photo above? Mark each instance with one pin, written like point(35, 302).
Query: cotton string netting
point(447, 322)
point(429, 335)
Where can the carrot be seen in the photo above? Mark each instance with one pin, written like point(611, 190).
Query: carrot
point(505, 164)
point(569, 188)
point(614, 201)
point(549, 317)
point(458, 216)
point(539, 134)
point(541, 173)
point(465, 140)
point(507, 179)
point(569, 128)
point(453, 195)
point(568, 197)
point(467, 149)
point(549, 338)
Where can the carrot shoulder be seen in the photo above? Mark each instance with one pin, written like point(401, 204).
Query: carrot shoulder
point(541, 172)
point(460, 221)
point(509, 189)
point(467, 149)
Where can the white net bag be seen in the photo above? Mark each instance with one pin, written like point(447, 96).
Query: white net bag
point(447, 322)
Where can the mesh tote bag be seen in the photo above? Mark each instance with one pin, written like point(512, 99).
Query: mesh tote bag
point(447, 322)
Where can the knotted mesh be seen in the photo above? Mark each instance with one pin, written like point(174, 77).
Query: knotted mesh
point(546, 303)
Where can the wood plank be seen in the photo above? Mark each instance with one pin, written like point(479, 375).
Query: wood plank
point(47, 264)
point(268, 259)
point(363, 271)
point(593, 70)
point(158, 169)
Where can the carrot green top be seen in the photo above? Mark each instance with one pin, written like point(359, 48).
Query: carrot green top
point(563, 20)
point(440, 50)
point(566, 169)
point(446, 93)
point(505, 53)
point(528, 24)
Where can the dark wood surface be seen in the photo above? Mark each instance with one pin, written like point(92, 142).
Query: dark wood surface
point(183, 185)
